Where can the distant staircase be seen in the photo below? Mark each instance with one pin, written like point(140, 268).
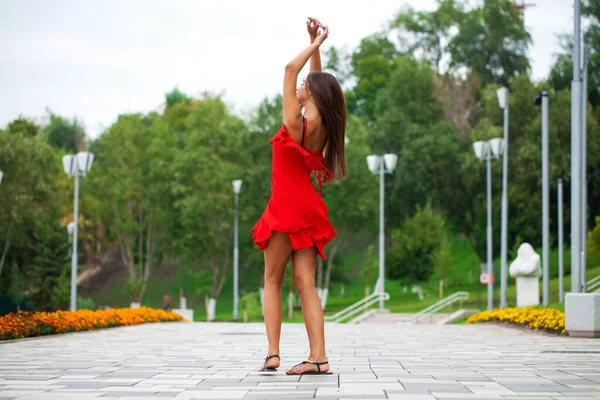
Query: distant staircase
point(432, 309)
point(357, 309)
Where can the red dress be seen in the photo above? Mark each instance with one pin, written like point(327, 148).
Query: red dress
point(295, 206)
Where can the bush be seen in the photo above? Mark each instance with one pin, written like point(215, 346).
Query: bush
point(412, 256)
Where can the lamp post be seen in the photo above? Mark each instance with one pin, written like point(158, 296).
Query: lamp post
point(503, 101)
point(76, 165)
point(70, 228)
point(584, 226)
point(542, 99)
point(1, 175)
point(576, 148)
point(237, 186)
point(485, 151)
point(382, 165)
point(561, 289)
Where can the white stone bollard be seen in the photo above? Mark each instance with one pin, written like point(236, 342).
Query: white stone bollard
point(582, 314)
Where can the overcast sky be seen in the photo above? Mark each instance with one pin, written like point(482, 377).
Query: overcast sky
point(96, 59)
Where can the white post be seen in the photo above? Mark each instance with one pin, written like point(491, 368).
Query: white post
point(561, 289)
point(503, 244)
point(237, 185)
point(489, 228)
point(545, 203)
point(235, 263)
point(381, 231)
point(576, 156)
point(75, 230)
point(584, 227)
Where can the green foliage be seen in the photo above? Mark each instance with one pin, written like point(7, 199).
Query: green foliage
point(86, 304)
point(63, 134)
point(372, 65)
point(23, 127)
point(561, 74)
point(412, 256)
point(493, 41)
point(48, 277)
point(594, 238)
point(370, 266)
point(250, 304)
point(175, 97)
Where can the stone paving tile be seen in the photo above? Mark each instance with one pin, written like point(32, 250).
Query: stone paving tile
point(220, 361)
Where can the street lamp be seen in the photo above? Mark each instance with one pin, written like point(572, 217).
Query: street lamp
point(76, 165)
point(237, 186)
point(542, 99)
point(485, 151)
point(576, 150)
point(1, 175)
point(382, 165)
point(503, 101)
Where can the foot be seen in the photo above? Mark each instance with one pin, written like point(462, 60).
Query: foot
point(309, 367)
point(271, 362)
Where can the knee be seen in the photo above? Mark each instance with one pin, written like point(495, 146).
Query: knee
point(303, 283)
point(273, 281)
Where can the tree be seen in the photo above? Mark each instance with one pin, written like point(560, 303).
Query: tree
point(561, 74)
point(175, 97)
point(372, 65)
point(426, 34)
point(64, 134)
point(23, 126)
point(492, 41)
point(133, 182)
point(459, 99)
point(202, 171)
point(412, 255)
point(48, 277)
point(30, 169)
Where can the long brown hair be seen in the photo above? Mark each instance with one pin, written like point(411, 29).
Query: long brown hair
point(329, 99)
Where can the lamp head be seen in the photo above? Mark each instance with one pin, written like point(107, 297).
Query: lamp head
point(502, 97)
point(237, 186)
point(390, 161)
point(373, 163)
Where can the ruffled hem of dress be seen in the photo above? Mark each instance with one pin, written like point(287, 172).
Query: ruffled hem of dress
point(300, 239)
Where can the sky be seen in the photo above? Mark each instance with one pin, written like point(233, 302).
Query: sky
point(96, 59)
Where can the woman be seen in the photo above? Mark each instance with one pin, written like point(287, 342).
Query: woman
point(295, 222)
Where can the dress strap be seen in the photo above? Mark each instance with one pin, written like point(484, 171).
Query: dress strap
point(304, 122)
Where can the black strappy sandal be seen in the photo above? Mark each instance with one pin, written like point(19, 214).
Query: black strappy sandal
point(267, 358)
point(318, 364)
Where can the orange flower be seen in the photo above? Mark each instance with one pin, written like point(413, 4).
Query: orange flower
point(27, 324)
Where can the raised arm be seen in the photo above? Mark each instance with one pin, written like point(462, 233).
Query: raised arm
point(312, 26)
point(292, 117)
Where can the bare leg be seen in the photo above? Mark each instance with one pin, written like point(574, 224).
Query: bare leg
point(304, 263)
point(277, 255)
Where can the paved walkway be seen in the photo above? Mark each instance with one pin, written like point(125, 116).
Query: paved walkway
point(218, 361)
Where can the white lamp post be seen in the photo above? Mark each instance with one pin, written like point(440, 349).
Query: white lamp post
point(576, 149)
point(237, 186)
point(382, 165)
point(1, 175)
point(76, 165)
point(486, 151)
point(503, 101)
point(542, 99)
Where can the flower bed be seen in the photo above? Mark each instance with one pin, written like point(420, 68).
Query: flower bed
point(548, 319)
point(27, 324)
